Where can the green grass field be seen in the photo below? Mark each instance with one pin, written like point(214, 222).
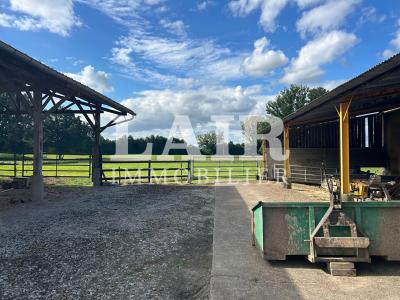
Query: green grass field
point(175, 168)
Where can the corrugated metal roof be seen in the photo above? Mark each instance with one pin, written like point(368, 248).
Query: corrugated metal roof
point(347, 87)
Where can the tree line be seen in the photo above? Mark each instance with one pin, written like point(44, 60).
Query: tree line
point(68, 134)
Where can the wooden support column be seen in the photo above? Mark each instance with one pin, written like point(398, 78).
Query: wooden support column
point(344, 149)
point(37, 187)
point(265, 159)
point(96, 157)
point(286, 180)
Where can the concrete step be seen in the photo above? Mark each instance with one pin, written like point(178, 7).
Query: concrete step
point(342, 269)
point(340, 265)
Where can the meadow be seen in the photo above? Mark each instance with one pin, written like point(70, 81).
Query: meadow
point(136, 168)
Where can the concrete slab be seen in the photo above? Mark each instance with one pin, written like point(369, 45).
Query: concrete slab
point(239, 272)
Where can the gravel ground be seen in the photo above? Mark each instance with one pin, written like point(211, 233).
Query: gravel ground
point(131, 242)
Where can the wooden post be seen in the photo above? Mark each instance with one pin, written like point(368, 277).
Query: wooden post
point(23, 165)
point(189, 174)
point(286, 149)
point(149, 172)
point(96, 157)
point(90, 166)
point(181, 172)
point(15, 165)
point(265, 159)
point(56, 165)
point(37, 187)
point(344, 148)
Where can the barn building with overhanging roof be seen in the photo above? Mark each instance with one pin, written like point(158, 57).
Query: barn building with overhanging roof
point(353, 126)
point(37, 90)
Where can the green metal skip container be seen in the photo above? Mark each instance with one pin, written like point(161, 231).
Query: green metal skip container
point(281, 229)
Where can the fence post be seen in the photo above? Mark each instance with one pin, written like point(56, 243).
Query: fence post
point(322, 178)
point(218, 173)
point(119, 175)
point(56, 165)
point(305, 175)
point(90, 165)
point(23, 165)
point(258, 173)
point(189, 171)
point(181, 172)
point(149, 172)
point(15, 165)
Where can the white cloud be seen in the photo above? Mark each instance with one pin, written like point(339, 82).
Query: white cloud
point(121, 55)
point(263, 61)
point(203, 5)
point(56, 16)
point(306, 3)
point(199, 104)
point(97, 80)
point(128, 12)
point(331, 84)
point(175, 27)
point(388, 53)
point(394, 43)
point(326, 17)
point(166, 60)
point(322, 50)
point(369, 14)
point(74, 61)
point(270, 10)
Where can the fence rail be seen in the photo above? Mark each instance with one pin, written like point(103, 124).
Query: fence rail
point(303, 174)
point(59, 166)
point(16, 165)
point(147, 171)
point(121, 171)
point(224, 169)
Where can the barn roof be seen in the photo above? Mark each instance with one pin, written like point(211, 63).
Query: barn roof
point(20, 72)
point(375, 90)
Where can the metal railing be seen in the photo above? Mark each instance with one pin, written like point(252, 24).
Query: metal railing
point(303, 174)
point(147, 171)
point(122, 171)
point(225, 169)
point(53, 166)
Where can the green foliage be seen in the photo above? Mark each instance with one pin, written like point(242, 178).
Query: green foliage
point(67, 134)
point(293, 98)
point(207, 143)
point(316, 93)
point(15, 131)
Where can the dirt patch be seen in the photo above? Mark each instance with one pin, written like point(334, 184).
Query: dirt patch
point(271, 191)
point(132, 242)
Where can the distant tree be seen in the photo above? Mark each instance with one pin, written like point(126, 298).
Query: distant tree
point(67, 134)
point(207, 143)
point(317, 92)
point(251, 126)
point(293, 98)
point(15, 131)
point(236, 149)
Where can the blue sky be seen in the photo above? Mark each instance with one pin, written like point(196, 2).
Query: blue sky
point(197, 57)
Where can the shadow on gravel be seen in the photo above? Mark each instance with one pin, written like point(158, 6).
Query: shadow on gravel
point(129, 242)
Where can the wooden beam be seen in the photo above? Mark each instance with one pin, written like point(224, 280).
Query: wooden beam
point(344, 148)
point(96, 157)
point(286, 151)
point(37, 187)
point(265, 158)
point(85, 115)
